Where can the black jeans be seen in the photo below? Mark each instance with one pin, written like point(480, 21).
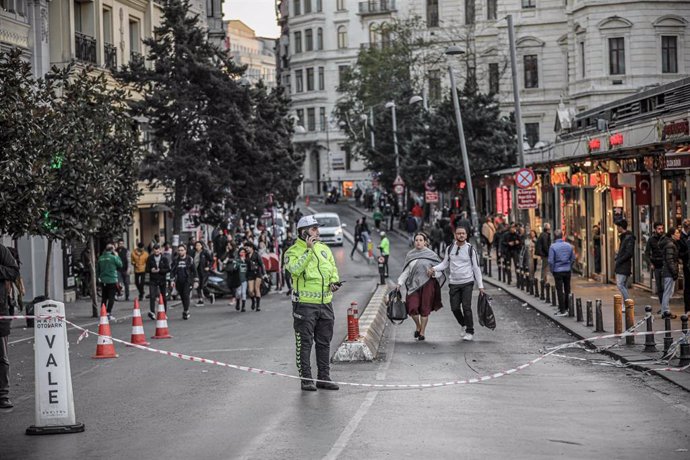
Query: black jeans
point(184, 290)
point(562, 280)
point(659, 283)
point(108, 296)
point(157, 288)
point(385, 264)
point(4, 368)
point(354, 246)
point(313, 324)
point(461, 305)
point(139, 282)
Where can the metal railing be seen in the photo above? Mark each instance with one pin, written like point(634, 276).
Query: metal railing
point(110, 56)
point(375, 7)
point(85, 47)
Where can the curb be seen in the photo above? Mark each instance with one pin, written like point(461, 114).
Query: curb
point(627, 356)
point(372, 324)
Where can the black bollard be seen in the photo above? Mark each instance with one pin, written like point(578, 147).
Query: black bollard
point(684, 345)
point(554, 297)
point(542, 295)
point(489, 264)
point(590, 320)
point(578, 309)
point(668, 338)
point(571, 305)
point(599, 317)
point(530, 286)
point(649, 342)
point(518, 278)
point(548, 293)
point(509, 272)
point(536, 288)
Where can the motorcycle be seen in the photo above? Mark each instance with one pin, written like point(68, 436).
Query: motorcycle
point(331, 198)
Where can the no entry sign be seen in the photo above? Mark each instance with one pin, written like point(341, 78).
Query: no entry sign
point(524, 178)
point(527, 198)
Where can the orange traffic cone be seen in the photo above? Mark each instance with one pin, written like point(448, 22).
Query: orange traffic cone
point(105, 347)
point(161, 322)
point(138, 336)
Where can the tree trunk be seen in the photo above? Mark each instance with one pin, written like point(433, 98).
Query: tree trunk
point(49, 257)
point(92, 268)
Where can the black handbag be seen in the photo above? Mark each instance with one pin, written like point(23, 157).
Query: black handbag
point(396, 310)
point(484, 311)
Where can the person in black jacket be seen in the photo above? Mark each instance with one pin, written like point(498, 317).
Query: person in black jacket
point(184, 277)
point(513, 242)
point(357, 235)
point(255, 273)
point(541, 249)
point(9, 272)
point(669, 271)
point(203, 261)
point(123, 272)
point(157, 267)
point(684, 254)
point(624, 257)
point(654, 251)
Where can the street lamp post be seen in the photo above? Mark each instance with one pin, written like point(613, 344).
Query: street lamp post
point(455, 51)
point(391, 105)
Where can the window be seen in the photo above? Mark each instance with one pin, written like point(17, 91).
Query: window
point(532, 133)
point(319, 39)
point(298, 42)
point(583, 68)
point(342, 73)
point(309, 40)
point(107, 25)
point(322, 79)
point(617, 56)
point(493, 78)
point(385, 36)
point(311, 119)
point(299, 81)
point(342, 37)
point(531, 71)
point(319, 6)
point(307, 6)
point(310, 79)
point(134, 37)
point(78, 13)
point(322, 118)
point(340, 5)
point(435, 86)
point(469, 12)
point(372, 35)
point(300, 117)
point(669, 54)
point(529, 4)
point(432, 13)
point(491, 9)
point(297, 7)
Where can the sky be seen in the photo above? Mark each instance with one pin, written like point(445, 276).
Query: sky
point(258, 14)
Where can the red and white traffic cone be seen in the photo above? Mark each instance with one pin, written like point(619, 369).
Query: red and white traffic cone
point(105, 347)
point(138, 336)
point(161, 322)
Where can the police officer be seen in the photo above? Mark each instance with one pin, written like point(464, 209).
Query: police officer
point(385, 248)
point(315, 279)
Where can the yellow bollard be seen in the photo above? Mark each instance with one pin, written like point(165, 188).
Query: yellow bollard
point(629, 319)
point(617, 314)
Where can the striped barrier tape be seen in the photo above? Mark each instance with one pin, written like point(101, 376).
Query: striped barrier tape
point(182, 356)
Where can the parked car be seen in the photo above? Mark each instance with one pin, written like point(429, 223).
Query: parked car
point(331, 230)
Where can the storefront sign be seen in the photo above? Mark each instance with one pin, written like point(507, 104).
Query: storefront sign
point(615, 140)
point(431, 197)
point(560, 176)
point(654, 163)
point(594, 145)
point(678, 161)
point(598, 179)
point(578, 180)
point(643, 190)
point(503, 200)
point(631, 165)
point(626, 180)
point(527, 198)
point(675, 129)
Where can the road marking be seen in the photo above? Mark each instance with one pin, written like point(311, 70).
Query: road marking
point(356, 419)
point(222, 350)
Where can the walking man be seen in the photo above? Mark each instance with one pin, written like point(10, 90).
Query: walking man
point(158, 268)
point(9, 272)
point(684, 249)
point(513, 242)
point(561, 258)
point(365, 235)
point(462, 261)
point(315, 278)
point(623, 261)
point(184, 278)
point(139, 259)
point(542, 250)
point(385, 248)
point(669, 271)
point(123, 272)
point(203, 260)
point(107, 273)
point(654, 251)
point(358, 236)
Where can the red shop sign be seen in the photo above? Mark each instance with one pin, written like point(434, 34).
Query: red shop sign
point(616, 140)
point(594, 145)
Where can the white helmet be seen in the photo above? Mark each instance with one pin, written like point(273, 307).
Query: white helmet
point(307, 221)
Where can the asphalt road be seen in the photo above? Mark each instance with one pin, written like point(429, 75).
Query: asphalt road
point(145, 405)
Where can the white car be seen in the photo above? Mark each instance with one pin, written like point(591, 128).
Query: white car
point(331, 229)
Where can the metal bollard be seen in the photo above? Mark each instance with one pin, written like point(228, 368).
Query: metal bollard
point(542, 295)
point(590, 321)
point(629, 320)
point(578, 309)
point(599, 317)
point(668, 337)
point(649, 342)
point(571, 305)
point(684, 345)
point(617, 314)
point(548, 293)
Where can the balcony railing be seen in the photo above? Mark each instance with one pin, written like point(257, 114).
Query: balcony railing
point(377, 7)
point(110, 56)
point(85, 47)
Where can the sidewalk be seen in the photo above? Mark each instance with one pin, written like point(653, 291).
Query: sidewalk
point(634, 355)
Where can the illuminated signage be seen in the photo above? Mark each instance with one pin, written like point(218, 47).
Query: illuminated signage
point(675, 129)
point(594, 145)
point(616, 140)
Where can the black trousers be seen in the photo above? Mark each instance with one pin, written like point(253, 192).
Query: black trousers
point(385, 264)
point(354, 247)
point(659, 283)
point(461, 305)
point(313, 323)
point(139, 283)
point(184, 290)
point(108, 296)
point(4, 368)
point(157, 288)
point(562, 280)
point(124, 279)
point(686, 288)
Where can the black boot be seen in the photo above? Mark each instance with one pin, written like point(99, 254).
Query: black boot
point(327, 385)
point(253, 303)
point(237, 304)
point(243, 304)
point(308, 385)
point(258, 304)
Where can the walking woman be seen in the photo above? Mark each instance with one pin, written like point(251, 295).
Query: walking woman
point(423, 291)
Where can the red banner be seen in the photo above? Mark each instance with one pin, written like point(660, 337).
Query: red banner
point(643, 190)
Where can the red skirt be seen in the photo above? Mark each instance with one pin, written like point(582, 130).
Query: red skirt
point(425, 299)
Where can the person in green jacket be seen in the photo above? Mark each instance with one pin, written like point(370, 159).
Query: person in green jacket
point(106, 271)
point(378, 217)
point(385, 248)
point(315, 278)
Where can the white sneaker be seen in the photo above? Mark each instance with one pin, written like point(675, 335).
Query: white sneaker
point(562, 314)
point(468, 337)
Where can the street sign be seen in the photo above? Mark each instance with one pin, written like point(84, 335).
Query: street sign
point(430, 184)
point(399, 189)
point(398, 181)
point(524, 178)
point(527, 198)
point(431, 197)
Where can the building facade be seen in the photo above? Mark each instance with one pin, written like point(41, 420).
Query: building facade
point(257, 53)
